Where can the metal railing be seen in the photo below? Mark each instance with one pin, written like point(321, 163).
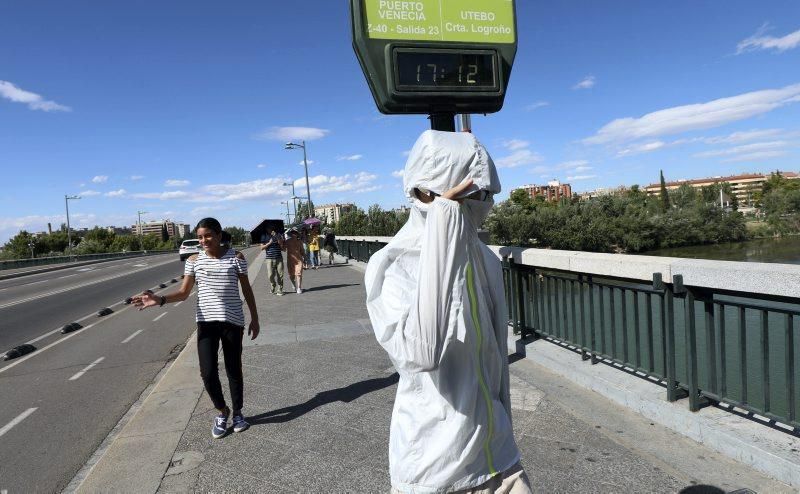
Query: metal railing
point(44, 261)
point(704, 344)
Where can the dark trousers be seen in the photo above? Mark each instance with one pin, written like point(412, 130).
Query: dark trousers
point(209, 335)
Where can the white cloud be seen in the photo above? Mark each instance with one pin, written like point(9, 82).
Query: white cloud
point(310, 162)
point(176, 183)
point(745, 149)
point(574, 165)
point(518, 158)
point(293, 134)
point(100, 179)
point(161, 196)
point(406, 152)
point(268, 188)
point(759, 41)
point(744, 136)
point(261, 165)
point(577, 178)
point(640, 148)
point(321, 184)
point(515, 144)
point(696, 116)
point(88, 193)
point(537, 105)
point(116, 193)
point(34, 101)
point(759, 156)
point(352, 157)
point(136, 177)
point(397, 173)
point(588, 82)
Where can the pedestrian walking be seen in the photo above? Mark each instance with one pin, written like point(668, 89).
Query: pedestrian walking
point(294, 259)
point(313, 247)
point(218, 272)
point(304, 240)
point(273, 253)
point(436, 302)
point(329, 244)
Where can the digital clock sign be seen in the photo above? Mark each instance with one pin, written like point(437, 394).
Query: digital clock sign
point(435, 56)
point(456, 70)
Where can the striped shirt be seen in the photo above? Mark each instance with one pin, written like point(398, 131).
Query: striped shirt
point(274, 249)
point(218, 287)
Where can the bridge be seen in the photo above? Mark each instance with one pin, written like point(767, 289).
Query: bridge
point(631, 374)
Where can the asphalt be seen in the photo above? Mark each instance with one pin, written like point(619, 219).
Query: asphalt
point(319, 392)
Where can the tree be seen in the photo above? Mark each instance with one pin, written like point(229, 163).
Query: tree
point(664, 194)
point(239, 235)
point(302, 211)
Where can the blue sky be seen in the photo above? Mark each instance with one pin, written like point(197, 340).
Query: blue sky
point(180, 108)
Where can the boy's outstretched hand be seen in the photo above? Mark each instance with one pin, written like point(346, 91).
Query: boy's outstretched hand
point(145, 299)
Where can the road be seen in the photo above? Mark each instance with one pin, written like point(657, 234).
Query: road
point(59, 403)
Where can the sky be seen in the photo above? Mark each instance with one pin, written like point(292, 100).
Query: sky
point(181, 109)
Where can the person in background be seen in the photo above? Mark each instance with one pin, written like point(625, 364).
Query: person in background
point(330, 245)
point(218, 271)
point(274, 258)
point(313, 247)
point(304, 241)
point(294, 259)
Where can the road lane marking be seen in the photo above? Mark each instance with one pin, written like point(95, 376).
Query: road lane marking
point(86, 369)
point(17, 420)
point(179, 303)
point(67, 276)
point(75, 287)
point(129, 338)
point(159, 317)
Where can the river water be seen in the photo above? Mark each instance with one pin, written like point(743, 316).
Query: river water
point(784, 250)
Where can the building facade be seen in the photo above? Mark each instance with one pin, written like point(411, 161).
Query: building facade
point(743, 186)
point(157, 227)
point(553, 191)
point(332, 213)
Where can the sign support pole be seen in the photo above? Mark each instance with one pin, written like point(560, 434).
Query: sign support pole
point(446, 122)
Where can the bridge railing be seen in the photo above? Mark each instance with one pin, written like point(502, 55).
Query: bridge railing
point(709, 331)
point(43, 261)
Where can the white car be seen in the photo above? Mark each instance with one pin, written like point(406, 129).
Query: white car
point(189, 248)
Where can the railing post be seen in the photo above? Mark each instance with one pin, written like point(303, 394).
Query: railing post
point(690, 339)
point(673, 392)
point(592, 332)
point(521, 323)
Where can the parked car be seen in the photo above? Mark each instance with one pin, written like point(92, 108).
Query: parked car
point(189, 248)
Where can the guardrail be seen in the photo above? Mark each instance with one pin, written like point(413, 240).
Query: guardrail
point(709, 331)
point(43, 261)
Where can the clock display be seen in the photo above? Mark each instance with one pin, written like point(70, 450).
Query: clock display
point(429, 70)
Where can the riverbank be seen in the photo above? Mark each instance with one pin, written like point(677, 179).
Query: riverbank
point(784, 250)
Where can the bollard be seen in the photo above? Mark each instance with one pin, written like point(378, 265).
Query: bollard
point(104, 312)
point(19, 351)
point(69, 328)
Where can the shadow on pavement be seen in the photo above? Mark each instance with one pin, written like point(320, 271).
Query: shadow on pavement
point(328, 287)
point(346, 394)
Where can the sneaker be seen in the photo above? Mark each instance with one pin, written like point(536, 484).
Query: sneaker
point(239, 423)
point(220, 426)
point(299, 291)
point(280, 293)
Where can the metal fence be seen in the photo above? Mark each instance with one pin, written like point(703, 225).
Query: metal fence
point(707, 345)
point(43, 261)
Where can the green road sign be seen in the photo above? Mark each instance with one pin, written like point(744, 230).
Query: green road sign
point(469, 21)
point(436, 56)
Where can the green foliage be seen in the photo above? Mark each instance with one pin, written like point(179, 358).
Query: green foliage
point(239, 236)
point(374, 222)
point(631, 222)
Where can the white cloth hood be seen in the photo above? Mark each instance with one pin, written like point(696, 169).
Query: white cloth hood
point(441, 160)
point(436, 301)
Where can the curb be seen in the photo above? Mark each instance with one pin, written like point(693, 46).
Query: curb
point(771, 452)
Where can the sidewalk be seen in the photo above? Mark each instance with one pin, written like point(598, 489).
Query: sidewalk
point(319, 392)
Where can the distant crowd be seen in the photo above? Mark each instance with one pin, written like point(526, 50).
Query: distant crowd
point(302, 246)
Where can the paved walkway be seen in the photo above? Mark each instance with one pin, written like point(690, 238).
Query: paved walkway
point(319, 392)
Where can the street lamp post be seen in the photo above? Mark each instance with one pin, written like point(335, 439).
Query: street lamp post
point(294, 199)
point(139, 226)
point(288, 219)
point(69, 234)
point(292, 145)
